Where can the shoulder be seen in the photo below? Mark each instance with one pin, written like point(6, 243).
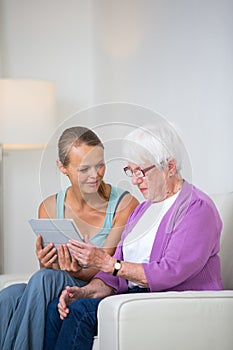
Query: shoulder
point(202, 201)
point(123, 198)
point(47, 207)
point(125, 205)
point(194, 207)
point(127, 202)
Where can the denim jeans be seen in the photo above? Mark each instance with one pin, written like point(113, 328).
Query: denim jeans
point(77, 330)
point(23, 308)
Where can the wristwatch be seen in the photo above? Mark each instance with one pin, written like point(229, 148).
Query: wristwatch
point(117, 267)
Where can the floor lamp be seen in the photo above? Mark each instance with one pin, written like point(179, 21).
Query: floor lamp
point(27, 120)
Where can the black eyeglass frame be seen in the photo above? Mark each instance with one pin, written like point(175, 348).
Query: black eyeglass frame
point(133, 171)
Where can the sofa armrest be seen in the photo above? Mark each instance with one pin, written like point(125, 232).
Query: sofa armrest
point(170, 320)
point(8, 279)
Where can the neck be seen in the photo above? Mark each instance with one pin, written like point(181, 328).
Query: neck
point(174, 186)
point(93, 200)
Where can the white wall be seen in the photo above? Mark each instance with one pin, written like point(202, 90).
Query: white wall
point(173, 57)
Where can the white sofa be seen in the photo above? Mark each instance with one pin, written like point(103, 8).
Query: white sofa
point(170, 320)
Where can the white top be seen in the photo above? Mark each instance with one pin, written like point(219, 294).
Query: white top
point(138, 243)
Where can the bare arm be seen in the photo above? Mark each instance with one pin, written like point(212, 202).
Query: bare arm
point(97, 257)
point(95, 289)
point(124, 209)
point(48, 255)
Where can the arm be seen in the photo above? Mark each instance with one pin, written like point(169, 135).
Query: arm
point(126, 206)
point(96, 257)
point(187, 251)
point(95, 289)
point(48, 255)
point(175, 257)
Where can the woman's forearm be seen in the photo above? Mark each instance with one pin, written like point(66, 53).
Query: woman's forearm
point(130, 271)
point(97, 289)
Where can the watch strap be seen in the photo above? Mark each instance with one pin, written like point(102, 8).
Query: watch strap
point(115, 272)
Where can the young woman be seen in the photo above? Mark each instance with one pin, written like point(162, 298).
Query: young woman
point(100, 212)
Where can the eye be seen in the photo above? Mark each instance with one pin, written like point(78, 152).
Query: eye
point(84, 170)
point(100, 165)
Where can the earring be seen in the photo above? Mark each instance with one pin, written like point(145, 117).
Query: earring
point(170, 174)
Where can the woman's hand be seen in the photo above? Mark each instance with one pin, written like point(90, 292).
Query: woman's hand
point(46, 256)
point(66, 261)
point(88, 254)
point(68, 295)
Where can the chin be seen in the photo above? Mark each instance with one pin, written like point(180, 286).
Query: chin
point(146, 196)
point(90, 189)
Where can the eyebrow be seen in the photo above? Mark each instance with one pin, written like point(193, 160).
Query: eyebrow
point(88, 165)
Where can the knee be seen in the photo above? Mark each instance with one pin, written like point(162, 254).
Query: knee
point(84, 306)
point(78, 306)
point(40, 277)
point(10, 296)
point(84, 311)
point(13, 291)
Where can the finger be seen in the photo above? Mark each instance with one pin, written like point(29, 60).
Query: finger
point(74, 260)
point(71, 290)
point(67, 253)
point(48, 263)
point(48, 254)
point(63, 299)
point(76, 243)
point(73, 253)
point(49, 249)
point(45, 258)
point(86, 239)
point(39, 243)
point(63, 312)
point(61, 255)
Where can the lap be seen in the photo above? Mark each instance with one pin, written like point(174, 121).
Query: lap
point(14, 290)
point(84, 305)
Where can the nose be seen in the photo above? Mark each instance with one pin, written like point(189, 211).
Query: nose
point(136, 180)
point(93, 171)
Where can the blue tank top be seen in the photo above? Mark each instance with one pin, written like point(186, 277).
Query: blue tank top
point(115, 197)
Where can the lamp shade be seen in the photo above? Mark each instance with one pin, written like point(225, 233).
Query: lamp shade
point(27, 111)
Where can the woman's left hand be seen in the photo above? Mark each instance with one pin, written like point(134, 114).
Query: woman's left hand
point(87, 254)
point(66, 261)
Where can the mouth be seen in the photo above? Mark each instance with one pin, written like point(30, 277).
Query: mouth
point(93, 183)
point(143, 189)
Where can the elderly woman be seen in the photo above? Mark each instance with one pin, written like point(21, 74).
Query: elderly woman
point(170, 243)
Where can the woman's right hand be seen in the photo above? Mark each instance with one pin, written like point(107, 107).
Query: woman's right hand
point(46, 256)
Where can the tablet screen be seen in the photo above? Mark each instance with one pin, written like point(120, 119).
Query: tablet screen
point(57, 231)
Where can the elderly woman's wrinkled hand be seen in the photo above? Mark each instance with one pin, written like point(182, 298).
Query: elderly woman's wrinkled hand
point(87, 253)
point(68, 295)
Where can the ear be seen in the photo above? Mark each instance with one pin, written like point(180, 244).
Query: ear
point(171, 166)
point(61, 167)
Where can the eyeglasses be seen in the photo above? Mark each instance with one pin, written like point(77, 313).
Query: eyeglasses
point(137, 172)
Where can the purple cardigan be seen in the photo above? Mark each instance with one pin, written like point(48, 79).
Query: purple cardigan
point(184, 253)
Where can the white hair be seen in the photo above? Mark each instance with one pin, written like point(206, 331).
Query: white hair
point(157, 144)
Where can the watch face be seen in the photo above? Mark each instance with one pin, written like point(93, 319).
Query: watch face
point(117, 266)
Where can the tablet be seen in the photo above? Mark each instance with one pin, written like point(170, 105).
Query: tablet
point(57, 231)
